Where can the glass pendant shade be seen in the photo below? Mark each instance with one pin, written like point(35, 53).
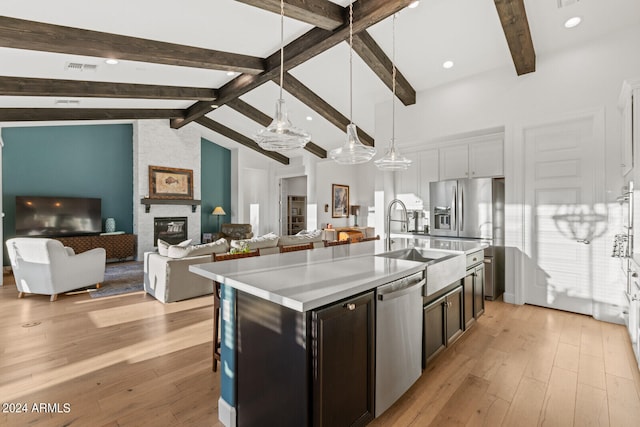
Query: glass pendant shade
point(393, 160)
point(281, 135)
point(353, 151)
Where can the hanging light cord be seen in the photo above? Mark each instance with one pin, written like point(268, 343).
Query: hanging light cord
point(281, 45)
point(351, 63)
point(393, 85)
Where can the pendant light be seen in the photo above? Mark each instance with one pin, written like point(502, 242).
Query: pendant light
point(281, 135)
point(393, 160)
point(353, 151)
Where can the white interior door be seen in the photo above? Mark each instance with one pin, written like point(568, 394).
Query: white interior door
point(564, 223)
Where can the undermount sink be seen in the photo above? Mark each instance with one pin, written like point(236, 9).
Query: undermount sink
point(442, 268)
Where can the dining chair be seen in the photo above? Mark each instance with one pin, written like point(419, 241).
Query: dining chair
point(216, 302)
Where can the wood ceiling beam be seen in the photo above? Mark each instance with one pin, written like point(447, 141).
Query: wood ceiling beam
point(365, 14)
point(259, 117)
point(314, 12)
point(320, 106)
point(240, 139)
point(50, 114)
point(515, 25)
point(20, 86)
point(367, 48)
point(319, 13)
point(31, 35)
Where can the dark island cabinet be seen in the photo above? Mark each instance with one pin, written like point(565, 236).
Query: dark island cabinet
point(473, 295)
point(478, 291)
point(343, 363)
point(443, 323)
point(300, 369)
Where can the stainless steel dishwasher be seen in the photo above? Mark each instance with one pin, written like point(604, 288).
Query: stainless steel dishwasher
point(398, 338)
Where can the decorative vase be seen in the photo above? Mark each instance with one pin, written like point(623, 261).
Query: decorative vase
point(110, 225)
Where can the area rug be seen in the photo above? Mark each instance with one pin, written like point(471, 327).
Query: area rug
point(120, 278)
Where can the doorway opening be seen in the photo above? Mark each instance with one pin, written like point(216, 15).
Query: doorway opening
point(293, 205)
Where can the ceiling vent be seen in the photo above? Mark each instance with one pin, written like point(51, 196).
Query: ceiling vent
point(77, 66)
point(67, 102)
point(565, 3)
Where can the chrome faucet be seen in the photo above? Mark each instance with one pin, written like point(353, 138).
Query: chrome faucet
point(405, 221)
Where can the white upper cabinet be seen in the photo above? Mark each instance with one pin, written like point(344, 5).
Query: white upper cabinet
point(476, 159)
point(408, 181)
point(429, 172)
point(454, 162)
point(486, 159)
point(626, 161)
point(412, 185)
point(628, 104)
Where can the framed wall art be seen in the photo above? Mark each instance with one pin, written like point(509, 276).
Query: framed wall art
point(340, 201)
point(170, 183)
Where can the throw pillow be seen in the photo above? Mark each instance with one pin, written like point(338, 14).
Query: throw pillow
point(163, 247)
point(269, 240)
point(301, 239)
point(185, 243)
point(218, 247)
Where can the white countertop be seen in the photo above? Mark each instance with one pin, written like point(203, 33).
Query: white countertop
point(306, 280)
point(441, 243)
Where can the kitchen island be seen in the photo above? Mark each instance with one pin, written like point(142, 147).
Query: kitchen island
point(298, 333)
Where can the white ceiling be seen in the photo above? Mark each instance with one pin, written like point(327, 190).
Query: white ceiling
point(467, 32)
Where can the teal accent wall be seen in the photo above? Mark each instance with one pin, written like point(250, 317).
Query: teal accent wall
point(71, 161)
point(215, 181)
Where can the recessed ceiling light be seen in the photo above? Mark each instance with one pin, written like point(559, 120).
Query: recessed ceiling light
point(111, 61)
point(447, 64)
point(414, 4)
point(231, 73)
point(309, 118)
point(214, 106)
point(572, 22)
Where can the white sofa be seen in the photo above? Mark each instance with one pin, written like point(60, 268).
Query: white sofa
point(45, 266)
point(166, 274)
point(271, 243)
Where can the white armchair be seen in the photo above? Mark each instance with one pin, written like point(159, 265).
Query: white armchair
point(45, 266)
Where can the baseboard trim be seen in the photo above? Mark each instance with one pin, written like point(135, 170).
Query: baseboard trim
point(226, 413)
point(509, 297)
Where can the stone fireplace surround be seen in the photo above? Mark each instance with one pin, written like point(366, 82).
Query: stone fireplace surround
point(156, 144)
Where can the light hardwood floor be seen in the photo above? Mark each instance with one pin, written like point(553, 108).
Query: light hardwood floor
point(129, 360)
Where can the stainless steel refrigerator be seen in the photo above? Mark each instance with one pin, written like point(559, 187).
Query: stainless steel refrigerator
point(466, 208)
point(473, 209)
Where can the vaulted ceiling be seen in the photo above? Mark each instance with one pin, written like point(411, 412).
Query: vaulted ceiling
point(217, 63)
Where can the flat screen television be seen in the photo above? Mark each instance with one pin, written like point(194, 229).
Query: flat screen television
point(57, 216)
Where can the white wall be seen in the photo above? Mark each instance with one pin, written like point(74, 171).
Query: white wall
point(588, 77)
point(155, 143)
point(327, 174)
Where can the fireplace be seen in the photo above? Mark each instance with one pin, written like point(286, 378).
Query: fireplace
point(172, 230)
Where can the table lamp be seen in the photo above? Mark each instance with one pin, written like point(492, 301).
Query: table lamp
point(355, 211)
point(218, 211)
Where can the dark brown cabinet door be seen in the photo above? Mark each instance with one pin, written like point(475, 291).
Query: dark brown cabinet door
point(478, 291)
point(434, 324)
point(343, 362)
point(455, 325)
point(468, 300)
